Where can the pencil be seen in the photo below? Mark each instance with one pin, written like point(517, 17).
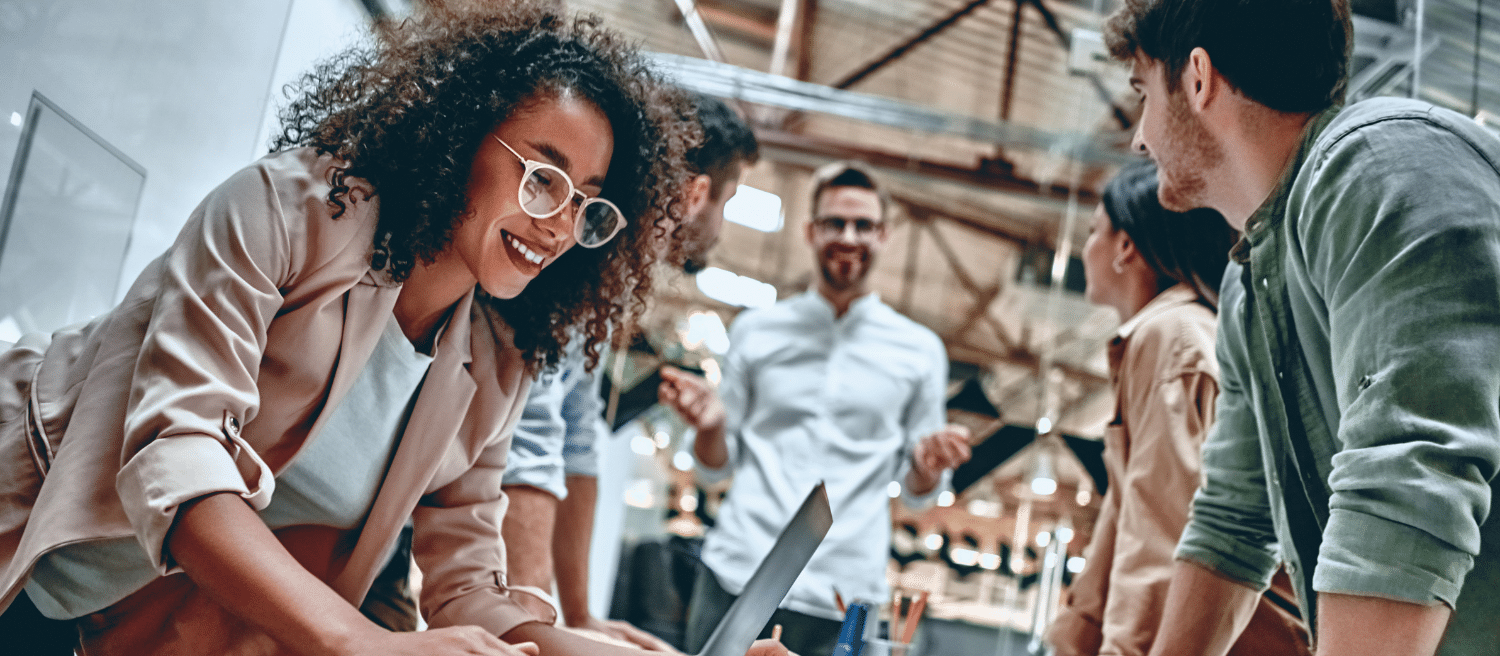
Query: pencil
point(839, 599)
point(895, 611)
point(913, 616)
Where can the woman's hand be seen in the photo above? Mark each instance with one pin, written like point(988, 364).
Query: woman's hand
point(448, 641)
point(231, 556)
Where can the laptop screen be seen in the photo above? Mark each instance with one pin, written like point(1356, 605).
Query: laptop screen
point(773, 578)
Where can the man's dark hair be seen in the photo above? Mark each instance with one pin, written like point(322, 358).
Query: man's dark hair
point(1191, 247)
point(727, 143)
point(1289, 55)
point(848, 174)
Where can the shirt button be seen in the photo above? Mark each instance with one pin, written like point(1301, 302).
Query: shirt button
point(1265, 283)
point(1280, 376)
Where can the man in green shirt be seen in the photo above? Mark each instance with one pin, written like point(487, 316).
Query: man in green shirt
point(1359, 339)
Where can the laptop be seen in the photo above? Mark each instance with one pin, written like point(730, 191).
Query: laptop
point(773, 578)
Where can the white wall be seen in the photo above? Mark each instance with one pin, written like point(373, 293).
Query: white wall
point(189, 90)
point(315, 30)
point(180, 86)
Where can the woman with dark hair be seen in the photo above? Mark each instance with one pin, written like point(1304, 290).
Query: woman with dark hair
point(340, 339)
point(1160, 271)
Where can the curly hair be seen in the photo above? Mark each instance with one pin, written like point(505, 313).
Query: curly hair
point(407, 113)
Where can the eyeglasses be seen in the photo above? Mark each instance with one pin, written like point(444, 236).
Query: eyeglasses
point(835, 225)
point(546, 190)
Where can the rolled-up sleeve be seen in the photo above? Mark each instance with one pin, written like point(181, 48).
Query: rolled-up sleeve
point(1230, 529)
point(536, 454)
point(195, 379)
point(457, 545)
point(1407, 258)
point(583, 414)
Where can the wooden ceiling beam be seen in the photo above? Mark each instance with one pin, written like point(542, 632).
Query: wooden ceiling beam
point(904, 47)
point(807, 22)
point(990, 178)
point(1012, 59)
point(730, 20)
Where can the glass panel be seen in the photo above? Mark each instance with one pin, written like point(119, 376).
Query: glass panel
point(64, 224)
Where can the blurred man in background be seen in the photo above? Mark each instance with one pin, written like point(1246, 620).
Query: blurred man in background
point(832, 385)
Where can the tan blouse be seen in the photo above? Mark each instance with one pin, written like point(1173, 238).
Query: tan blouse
point(1165, 379)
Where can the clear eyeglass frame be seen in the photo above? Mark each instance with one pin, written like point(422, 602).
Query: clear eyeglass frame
point(596, 220)
point(835, 225)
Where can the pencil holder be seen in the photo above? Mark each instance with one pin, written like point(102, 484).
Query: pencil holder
point(882, 647)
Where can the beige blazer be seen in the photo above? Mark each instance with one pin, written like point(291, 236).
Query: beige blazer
point(1165, 379)
point(210, 376)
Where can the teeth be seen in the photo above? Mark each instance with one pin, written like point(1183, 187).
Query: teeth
point(527, 253)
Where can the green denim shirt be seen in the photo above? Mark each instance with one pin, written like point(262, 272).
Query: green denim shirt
point(1359, 341)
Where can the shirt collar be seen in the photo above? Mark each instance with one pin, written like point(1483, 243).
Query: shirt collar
point(1274, 208)
point(1175, 296)
point(1178, 294)
point(857, 308)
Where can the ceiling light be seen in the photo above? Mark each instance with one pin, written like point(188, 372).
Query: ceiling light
point(735, 289)
point(756, 209)
point(706, 329)
point(965, 557)
point(642, 445)
point(1043, 477)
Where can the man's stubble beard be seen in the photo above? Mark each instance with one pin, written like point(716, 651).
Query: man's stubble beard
point(859, 272)
point(1193, 151)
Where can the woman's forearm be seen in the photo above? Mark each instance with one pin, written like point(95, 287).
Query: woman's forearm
point(229, 553)
point(554, 641)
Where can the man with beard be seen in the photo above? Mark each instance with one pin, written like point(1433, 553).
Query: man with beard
point(831, 385)
point(1359, 334)
point(551, 476)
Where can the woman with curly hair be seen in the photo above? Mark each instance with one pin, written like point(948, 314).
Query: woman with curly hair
point(340, 339)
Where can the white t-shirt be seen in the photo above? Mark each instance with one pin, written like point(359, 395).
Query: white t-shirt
point(332, 481)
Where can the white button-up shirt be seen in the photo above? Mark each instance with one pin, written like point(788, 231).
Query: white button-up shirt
point(811, 398)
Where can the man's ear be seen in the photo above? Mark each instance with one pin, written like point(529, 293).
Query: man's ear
point(697, 193)
point(1201, 81)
